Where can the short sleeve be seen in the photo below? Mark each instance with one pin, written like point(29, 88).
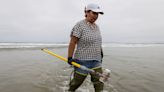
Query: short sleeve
point(76, 31)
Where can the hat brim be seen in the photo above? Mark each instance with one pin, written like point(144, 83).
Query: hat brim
point(98, 11)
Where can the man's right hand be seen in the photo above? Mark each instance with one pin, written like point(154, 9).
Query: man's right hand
point(70, 60)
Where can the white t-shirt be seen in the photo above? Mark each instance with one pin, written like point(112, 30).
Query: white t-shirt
point(90, 41)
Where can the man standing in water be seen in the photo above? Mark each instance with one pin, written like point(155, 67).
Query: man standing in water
point(85, 48)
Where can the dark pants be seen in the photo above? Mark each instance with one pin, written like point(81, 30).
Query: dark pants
point(78, 80)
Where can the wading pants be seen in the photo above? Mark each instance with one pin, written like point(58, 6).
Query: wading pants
point(78, 80)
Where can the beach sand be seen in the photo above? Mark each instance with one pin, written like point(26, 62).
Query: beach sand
point(134, 69)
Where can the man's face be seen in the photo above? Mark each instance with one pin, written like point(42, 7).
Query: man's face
point(92, 16)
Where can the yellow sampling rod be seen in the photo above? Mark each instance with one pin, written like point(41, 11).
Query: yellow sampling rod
point(64, 59)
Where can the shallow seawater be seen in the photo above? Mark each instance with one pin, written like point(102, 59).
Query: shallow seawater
point(31, 70)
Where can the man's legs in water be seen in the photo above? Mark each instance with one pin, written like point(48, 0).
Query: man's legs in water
point(98, 85)
point(76, 82)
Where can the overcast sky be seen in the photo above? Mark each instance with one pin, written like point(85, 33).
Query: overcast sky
point(132, 21)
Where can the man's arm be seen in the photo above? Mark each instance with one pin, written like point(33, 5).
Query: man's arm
point(102, 54)
point(71, 48)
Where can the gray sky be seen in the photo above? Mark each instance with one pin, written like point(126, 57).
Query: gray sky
point(133, 21)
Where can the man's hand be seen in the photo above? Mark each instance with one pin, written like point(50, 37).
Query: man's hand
point(70, 60)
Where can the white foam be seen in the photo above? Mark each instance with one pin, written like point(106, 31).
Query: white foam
point(130, 45)
point(30, 45)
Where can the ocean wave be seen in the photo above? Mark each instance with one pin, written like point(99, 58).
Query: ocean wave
point(49, 45)
point(31, 45)
point(130, 45)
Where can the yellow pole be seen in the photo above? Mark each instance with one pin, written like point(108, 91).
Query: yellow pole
point(74, 63)
point(60, 57)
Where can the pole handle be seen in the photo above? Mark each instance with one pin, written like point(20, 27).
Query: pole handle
point(60, 57)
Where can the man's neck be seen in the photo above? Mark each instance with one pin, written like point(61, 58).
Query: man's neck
point(87, 20)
